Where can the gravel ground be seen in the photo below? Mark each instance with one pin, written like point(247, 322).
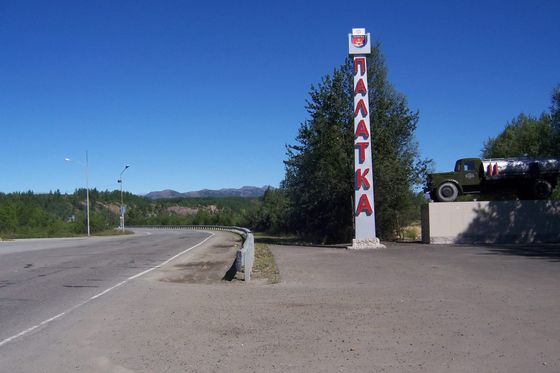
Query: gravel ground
point(407, 308)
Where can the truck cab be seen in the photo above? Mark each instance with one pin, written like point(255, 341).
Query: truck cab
point(469, 172)
point(466, 178)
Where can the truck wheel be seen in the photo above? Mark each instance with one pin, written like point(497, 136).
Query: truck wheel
point(447, 192)
point(542, 189)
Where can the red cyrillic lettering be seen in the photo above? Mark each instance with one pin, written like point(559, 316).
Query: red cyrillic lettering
point(361, 178)
point(361, 146)
point(361, 130)
point(364, 206)
point(359, 65)
point(361, 108)
point(360, 88)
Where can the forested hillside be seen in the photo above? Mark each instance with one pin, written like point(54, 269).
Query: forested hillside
point(56, 215)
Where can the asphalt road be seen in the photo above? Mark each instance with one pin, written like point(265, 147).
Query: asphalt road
point(407, 308)
point(43, 280)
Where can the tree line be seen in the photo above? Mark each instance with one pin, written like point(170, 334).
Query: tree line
point(526, 134)
point(529, 135)
point(54, 214)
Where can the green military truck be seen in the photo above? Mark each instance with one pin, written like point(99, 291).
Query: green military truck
point(528, 177)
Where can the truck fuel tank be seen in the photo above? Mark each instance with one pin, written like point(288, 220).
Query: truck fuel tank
point(503, 167)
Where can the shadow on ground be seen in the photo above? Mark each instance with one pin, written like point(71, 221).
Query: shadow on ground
point(294, 241)
point(280, 240)
point(541, 251)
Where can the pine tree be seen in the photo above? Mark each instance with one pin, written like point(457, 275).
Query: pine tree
point(528, 135)
point(524, 135)
point(555, 119)
point(319, 169)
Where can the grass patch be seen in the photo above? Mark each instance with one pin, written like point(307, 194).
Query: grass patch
point(275, 240)
point(265, 238)
point(264, 266)
point(412, 233)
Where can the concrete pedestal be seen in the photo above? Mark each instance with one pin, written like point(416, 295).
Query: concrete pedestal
point(366, 244)
point(491, 222)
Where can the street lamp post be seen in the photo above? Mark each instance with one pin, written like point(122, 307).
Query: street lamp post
point(120, 181)
point(87, 188)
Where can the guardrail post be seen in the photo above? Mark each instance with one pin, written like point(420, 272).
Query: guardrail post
point(249, 255)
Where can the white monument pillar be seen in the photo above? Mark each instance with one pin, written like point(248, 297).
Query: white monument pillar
point(359, 46)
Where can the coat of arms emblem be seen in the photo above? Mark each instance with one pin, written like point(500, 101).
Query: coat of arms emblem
point(358, 40)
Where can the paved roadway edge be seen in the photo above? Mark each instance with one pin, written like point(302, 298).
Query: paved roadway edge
point(56, 317)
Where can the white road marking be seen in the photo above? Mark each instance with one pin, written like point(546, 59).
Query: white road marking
point(47, 321)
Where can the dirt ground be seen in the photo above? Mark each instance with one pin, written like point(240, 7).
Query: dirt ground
point(407, 308)
point(206, 266)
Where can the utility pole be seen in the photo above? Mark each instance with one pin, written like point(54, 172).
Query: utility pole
point(120, 181)
point(87, 187)
point(87, 193)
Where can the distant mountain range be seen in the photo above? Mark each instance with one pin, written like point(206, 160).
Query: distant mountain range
point(246, 191)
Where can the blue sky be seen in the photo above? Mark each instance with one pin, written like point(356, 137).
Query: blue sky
point(200, 95)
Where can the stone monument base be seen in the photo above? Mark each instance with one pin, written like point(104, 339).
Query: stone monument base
point(491, 222)
point(372, 243)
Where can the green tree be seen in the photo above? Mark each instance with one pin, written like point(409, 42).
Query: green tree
point(528, 135)
point(272, 216)
point(98, 222)
point(555, 119)
point(524, 135)
point(8, 216)
point(319, 169)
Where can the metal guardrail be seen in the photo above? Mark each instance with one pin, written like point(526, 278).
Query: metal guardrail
point(245, 256)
